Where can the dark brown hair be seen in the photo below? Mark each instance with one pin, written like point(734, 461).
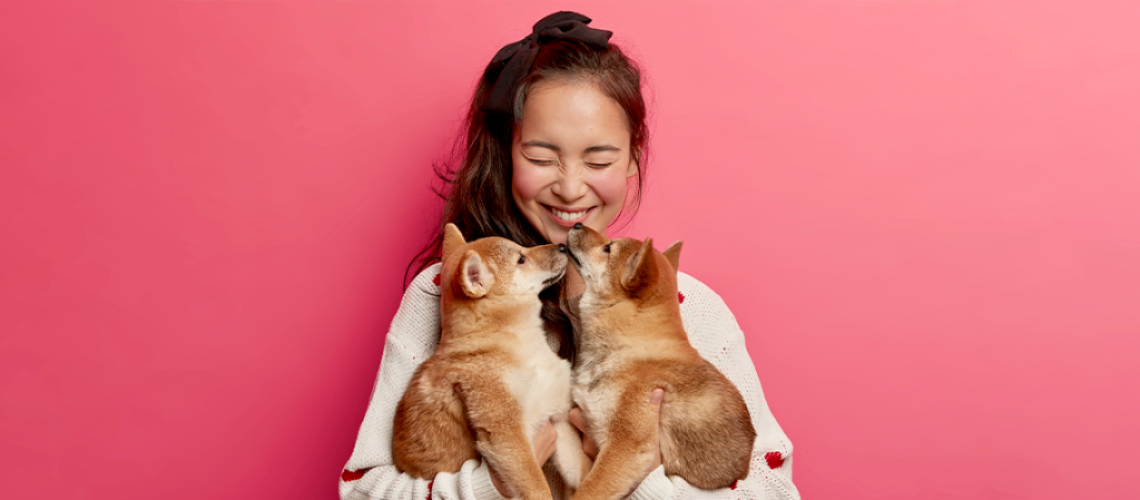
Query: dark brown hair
point(477, 194)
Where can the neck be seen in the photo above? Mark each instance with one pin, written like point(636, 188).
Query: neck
point(482, 316)
point(604, 326)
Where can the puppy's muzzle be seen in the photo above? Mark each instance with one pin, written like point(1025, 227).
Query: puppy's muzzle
point(553, 279)
point(572, 238)
point(561, 272)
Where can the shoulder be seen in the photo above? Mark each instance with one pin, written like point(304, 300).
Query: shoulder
point(707, 319)
point(429, 277)
point(420, 303)
point(415, 328)
point(695, 294)
point(426, 283)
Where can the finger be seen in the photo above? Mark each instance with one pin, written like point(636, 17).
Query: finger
point(545, 441)
point(575, 418)
point(590, 447)
point(655, 398)
point(553, 432)
point(498, 482)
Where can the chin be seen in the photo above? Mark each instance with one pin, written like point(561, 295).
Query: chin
point(556, 238)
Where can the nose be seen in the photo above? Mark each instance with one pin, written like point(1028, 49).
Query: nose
point(570, 185)
point(561, 248)
point(578, 226)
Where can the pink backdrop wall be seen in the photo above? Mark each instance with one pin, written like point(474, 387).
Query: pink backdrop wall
point(926, 216)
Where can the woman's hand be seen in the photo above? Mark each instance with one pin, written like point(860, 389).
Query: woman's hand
point(590, 447)
point(545, 441)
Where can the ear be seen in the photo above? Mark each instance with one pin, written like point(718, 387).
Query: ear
point(452, 239)
point(474, 277)
point(643, 271)
point(673, 253)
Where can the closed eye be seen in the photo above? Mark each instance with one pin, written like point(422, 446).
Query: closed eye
point(606, 248)
point(522, 259)
point(541, 162)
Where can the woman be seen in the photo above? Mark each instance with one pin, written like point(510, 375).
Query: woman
point(555, 135)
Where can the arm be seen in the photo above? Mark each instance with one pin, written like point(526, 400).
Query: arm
point(370, 473)
point(714, 332)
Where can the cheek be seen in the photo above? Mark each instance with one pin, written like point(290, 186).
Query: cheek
point(526, 183)
point(610, 185)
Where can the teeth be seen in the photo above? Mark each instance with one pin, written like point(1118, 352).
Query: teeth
point(567, 216)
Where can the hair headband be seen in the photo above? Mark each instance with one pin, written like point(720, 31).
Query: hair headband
point(514, 60)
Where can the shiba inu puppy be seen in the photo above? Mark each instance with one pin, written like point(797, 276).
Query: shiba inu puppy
point(631, 341)
point(493, 379)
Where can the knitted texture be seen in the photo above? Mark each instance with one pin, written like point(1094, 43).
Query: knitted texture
point(413, 336)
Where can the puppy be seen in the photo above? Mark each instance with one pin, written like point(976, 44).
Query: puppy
point(630, 342)
point(493, 379)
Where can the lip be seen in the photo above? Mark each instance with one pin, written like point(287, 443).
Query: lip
point(566, 223)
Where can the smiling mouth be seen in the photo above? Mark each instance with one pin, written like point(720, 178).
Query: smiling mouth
point(565, 217)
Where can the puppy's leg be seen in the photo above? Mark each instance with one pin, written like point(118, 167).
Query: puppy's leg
point(628, 448)
point(502, 438)
point(571, 461)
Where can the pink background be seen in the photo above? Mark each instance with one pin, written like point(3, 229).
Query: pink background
point(925, 215)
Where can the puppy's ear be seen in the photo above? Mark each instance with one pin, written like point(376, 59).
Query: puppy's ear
point(475, 277)
point(673, 253)
point(452, 239)
point(642, 270)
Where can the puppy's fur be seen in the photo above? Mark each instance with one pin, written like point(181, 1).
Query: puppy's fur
point(493, 379)
point(632, 341)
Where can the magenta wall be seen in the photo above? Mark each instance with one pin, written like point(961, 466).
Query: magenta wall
point(925, 214)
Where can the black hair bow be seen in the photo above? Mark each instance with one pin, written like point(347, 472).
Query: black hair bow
point(514, 60)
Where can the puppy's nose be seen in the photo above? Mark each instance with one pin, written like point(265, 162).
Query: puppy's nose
point(561, 248)
point(578, 226)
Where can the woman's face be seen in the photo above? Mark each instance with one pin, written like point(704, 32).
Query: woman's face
point(571, 158)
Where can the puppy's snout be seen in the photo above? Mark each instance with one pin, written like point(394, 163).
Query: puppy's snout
point(582, 238)
point(551, 256)
point(575, 235)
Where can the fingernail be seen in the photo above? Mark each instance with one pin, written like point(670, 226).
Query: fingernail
point(657, 396)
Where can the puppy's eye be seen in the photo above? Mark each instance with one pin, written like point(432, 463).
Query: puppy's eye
point(606, 248)
point(522, 259)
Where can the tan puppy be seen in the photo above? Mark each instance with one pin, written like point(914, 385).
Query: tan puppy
point(630, 342)
point(493, 378)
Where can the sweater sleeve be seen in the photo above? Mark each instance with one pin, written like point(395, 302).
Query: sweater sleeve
point(370, 473)
point(713, 331)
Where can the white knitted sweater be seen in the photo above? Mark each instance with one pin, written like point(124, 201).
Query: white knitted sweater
point(414, 334)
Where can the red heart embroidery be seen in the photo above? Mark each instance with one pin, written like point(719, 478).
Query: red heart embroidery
point(774, 459)
point(435, 280)
point(352, 475)
point(681, 297)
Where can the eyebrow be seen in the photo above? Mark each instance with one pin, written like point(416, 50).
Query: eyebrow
point(591, 149)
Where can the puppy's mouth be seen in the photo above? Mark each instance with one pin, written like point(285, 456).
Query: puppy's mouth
point(573, 258)
point(553, 279)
